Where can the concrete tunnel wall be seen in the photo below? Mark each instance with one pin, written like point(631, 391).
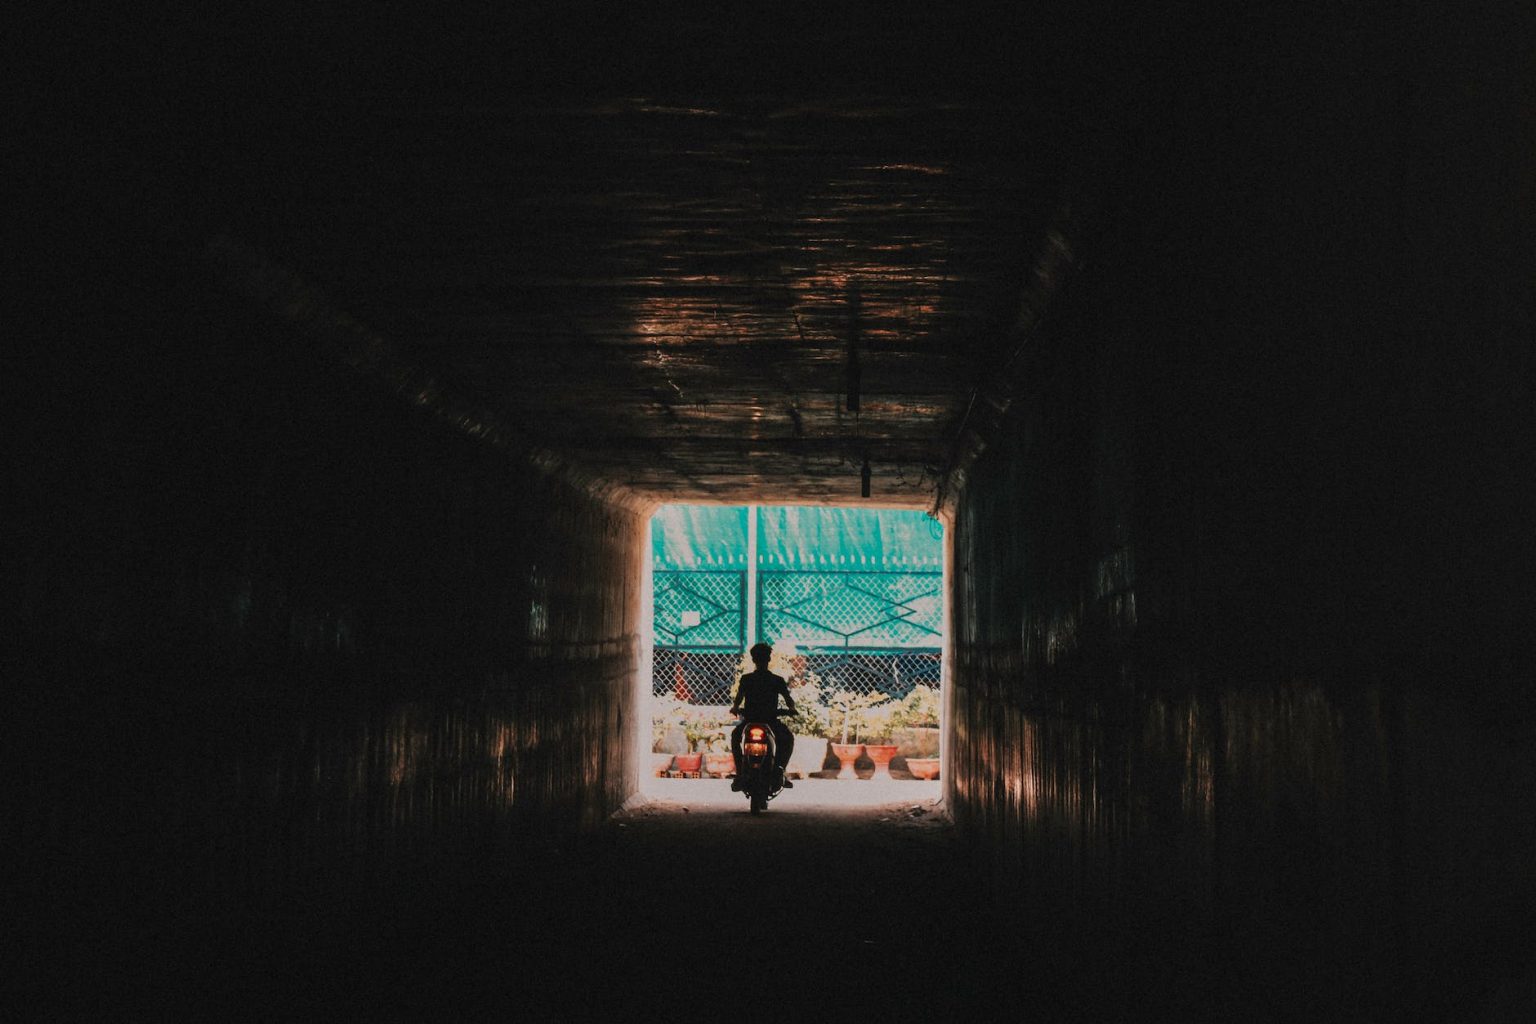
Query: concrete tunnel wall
point(1221, 752)
point(287, 620)
point(1238, 660)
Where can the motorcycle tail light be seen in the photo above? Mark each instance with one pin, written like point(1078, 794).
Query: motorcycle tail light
point(757, 734)
point(755, 749)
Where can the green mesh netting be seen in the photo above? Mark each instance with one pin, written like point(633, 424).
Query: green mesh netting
point(797, 537)
point(699, 537)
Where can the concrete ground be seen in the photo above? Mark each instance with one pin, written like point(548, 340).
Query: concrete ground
point(844, 894)
point(846, 897)
point(854, 882)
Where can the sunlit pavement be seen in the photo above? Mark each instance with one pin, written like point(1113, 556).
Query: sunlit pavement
point(812, 792)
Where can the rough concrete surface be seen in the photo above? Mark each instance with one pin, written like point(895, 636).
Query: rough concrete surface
point(690, 908)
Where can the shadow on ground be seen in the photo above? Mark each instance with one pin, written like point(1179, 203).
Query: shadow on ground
point(680, 908)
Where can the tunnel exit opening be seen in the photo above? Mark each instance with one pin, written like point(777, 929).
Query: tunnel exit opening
point(851, 601)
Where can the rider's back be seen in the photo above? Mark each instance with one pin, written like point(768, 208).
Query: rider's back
point(760, 694)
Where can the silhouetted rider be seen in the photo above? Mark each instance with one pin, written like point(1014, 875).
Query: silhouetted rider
point(757, 695)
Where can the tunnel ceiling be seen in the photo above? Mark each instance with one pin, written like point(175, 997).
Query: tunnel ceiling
point(657, 277)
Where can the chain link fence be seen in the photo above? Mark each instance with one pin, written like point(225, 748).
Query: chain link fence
point(872, 633)
point(700, 609)
point(866, 610)
point(707, 677)
point(857, 648)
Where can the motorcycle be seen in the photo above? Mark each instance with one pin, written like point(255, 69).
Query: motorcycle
point(761, 779)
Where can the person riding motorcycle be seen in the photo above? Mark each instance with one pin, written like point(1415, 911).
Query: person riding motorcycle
point(757, 697)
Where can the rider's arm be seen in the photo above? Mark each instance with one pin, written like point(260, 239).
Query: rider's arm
point(788, 700)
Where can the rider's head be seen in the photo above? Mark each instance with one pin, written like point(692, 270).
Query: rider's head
point(760, 654)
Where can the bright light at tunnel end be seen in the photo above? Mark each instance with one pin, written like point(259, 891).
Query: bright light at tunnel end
point(852, 600)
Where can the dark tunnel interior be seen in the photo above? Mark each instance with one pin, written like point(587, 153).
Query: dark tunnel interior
point(354, 356)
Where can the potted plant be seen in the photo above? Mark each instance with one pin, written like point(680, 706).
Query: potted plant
point(661, 754)
point(666, 725)
point(880, 720)
point(849, 712)
point(920, 742)
point(718, 761)
point(700, 727)
point(666, 734)
point(917, 732)
point(920, 708)
point(923, 767)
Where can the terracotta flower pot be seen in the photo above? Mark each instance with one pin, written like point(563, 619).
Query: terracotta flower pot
point(881, 754)
point(719, 764)
point(687, 762)
point(846, 754)
point(923, 767)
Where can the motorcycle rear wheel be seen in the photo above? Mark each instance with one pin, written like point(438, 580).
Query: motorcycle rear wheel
point(759, 803)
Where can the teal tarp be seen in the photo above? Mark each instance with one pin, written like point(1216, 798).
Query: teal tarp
point(699, 537)
point(848, 538)
point(797, 537)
